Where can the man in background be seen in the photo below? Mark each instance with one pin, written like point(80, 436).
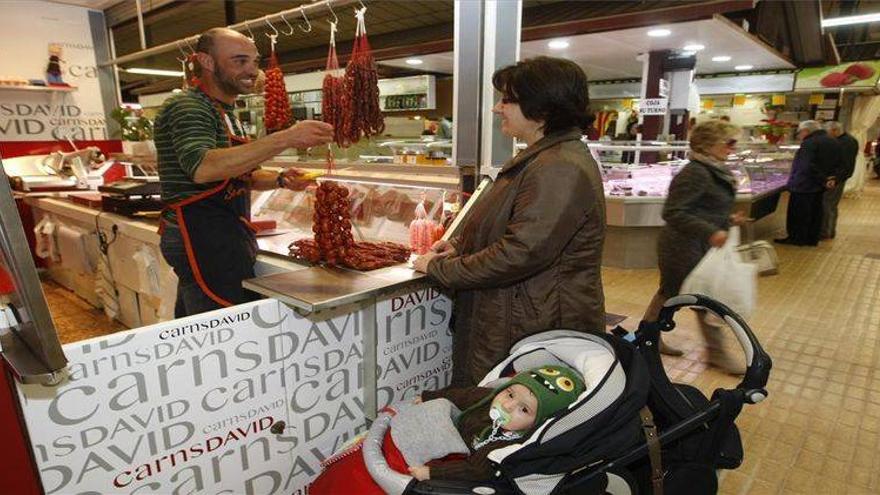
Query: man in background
point(849, 147)
point(812, 172)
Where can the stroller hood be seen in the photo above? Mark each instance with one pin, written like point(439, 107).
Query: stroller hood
point(601, 424)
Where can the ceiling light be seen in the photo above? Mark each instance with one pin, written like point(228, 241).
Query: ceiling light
point(155, 72)
point(693, 47)
point(414, 61)
point(744, 67)
point(688, 53)
point(721, 58)
point(850, 19)
point(558, 44)
point(659, 33)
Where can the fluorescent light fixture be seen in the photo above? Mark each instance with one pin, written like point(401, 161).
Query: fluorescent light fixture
point(155, 72)
point(659, 33)
point(721, 58)
point(744, 67)
point(693, 47)
point(688, 53)
point(414, 61)
point(851, 19)
point(558, 44)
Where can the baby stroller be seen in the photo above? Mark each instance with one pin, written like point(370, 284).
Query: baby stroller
point(632, 431)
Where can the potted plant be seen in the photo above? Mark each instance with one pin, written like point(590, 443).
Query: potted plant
point(771, 128)
point(774, 130)
point(135, 129)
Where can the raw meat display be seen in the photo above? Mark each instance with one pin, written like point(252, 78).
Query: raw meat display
point(333, 242)
point(277, 114)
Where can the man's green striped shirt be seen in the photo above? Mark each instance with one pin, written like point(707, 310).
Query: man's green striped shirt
point(188, 125)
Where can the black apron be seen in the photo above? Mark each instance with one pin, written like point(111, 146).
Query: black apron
point(219, 239)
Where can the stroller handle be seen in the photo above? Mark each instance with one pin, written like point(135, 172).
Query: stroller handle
point(758, 361)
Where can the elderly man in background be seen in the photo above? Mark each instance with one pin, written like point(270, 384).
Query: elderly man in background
point(812, 172)
point(849, 146)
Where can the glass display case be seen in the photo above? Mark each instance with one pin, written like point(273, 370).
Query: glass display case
point(758, 167)
point(380, 211)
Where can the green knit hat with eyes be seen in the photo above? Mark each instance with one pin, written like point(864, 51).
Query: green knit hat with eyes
point(555, 387)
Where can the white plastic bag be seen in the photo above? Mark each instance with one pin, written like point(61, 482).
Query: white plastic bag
point(723, 276)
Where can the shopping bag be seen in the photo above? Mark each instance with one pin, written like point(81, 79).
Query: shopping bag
point(723, 276)
point(762, 254)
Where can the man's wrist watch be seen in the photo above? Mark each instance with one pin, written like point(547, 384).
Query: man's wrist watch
point(280, 180)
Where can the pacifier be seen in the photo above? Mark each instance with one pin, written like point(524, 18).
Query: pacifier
point(499, 415)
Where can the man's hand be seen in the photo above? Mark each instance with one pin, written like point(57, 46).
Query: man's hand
point(292, 178)
point(305, 134)
point(718, 238)
point(420, 472)
point(421, 263)
point(444, 248)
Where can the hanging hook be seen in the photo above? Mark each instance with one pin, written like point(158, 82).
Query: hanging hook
point(182, 52)
point(248, 27)
point(271, 26)
point(303, 13)
point(288, 25)
point(335, 19)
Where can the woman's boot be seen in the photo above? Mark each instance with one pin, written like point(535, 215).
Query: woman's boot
point(718, 357)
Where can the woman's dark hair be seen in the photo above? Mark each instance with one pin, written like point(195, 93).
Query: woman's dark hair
point(548, 89)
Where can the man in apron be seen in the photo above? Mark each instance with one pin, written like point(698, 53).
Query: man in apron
point(207, 169)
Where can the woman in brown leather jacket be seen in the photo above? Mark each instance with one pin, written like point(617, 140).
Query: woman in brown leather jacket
point(529, 254)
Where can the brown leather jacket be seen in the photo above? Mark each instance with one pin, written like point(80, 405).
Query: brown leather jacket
point(529, 255)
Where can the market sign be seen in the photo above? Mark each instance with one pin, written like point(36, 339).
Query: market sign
point(653, 106)
point(247, 399)
point(856, 75)
point(29, 30)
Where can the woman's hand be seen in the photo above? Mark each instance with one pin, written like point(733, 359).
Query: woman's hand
point(417, 399)
point(421, 263)
point(738, 218)
point(420, 472)
point(718, 238)
point(444, 248)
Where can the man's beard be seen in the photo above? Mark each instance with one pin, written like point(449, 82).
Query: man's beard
point(227, 84)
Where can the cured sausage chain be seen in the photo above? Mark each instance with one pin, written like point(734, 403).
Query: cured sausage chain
point(277, 114)
point(362, 88)
point(333, 92)
point(334, 244)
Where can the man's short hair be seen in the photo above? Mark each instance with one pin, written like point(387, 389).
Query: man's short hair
point(208, 39)
point(810, 125)
point(834, 126)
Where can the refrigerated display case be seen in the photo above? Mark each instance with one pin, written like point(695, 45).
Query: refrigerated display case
point(380, 211)
point(636, 191)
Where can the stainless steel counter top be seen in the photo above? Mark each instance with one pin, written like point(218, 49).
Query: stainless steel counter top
point(321, 288)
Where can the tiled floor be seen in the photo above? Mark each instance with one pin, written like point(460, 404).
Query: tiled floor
point(819, 319)
point(75, 319)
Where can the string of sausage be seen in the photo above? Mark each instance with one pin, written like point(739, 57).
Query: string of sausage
point(277, 114)
point(333, 242)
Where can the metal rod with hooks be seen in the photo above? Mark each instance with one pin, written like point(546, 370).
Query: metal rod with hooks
point(315, 9)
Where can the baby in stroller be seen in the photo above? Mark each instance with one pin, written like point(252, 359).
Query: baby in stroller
point(491, 418)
